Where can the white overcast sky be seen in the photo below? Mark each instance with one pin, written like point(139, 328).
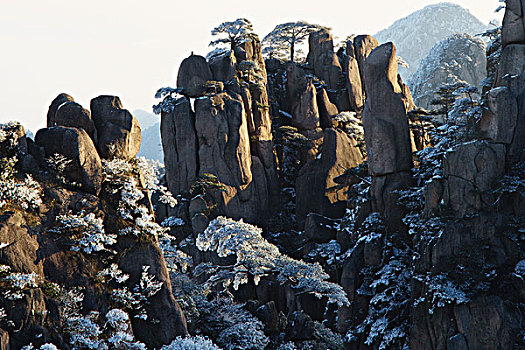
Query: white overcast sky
point(130, 48)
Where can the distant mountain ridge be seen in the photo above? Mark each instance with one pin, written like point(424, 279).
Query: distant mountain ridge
point(417, 33)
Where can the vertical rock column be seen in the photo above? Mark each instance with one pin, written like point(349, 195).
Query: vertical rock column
point(504, 121)
point(387, 134)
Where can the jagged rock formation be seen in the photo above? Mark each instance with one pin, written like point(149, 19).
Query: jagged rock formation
point(458, 58)
point(417, 33)
point(64, 231)
point(317, 192)
point(228, 134)
point(387, 133)
point(119, 133)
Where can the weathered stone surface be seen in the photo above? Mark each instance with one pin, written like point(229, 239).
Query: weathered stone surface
point(363, 46)
point(251, 50)
point(513, 29)
point(22, 246)
point(119, 133)
point(4, 340)
point(224, 150)
point(323, 59)
point(498, 122)
point(300, 326)
point(319, 229)
point(302, 99)
point(73, 115)
point(179, 142)
point(223, 67)
point(471, 170)
point(77, 146)
point(162, 306)
point(193, 73)
point(316, 189)
point(57, 102)
point(385, 119)
point(511, 68)
point(269, 316)
point(327, 110)
point(353, 84)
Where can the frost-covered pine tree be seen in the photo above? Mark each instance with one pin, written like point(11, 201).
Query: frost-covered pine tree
point(283, 40)
point(233, 33)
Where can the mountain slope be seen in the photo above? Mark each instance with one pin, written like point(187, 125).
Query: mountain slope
point(151, 146)
point(417, 33)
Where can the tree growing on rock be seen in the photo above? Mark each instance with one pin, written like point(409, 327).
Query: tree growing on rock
point(282, 41)
point(233, 33)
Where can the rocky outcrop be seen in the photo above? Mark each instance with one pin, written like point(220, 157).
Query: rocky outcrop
point(317, 192)
point(363, 46)
point(471, 171)
point(73, 115)
point(353, 83)
point(322, 58)
point(179, 143)
point(169, 319)
point(513, 28)
point(76, 146)
point(223, 66)
point(193, 74)
point(57, 102)
point(302, 97)
point(327, 110)
point(119, 132)
point(387, 133)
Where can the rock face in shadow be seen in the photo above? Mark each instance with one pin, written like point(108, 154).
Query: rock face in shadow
point(57, 102)
point(119, 132)
point(179, 143)
point(317, 192)
point(301, 94)
point(169, 320)
point(387, 133)
point(74, 144)
point(193, 74)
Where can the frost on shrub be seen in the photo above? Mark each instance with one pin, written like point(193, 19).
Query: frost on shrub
point(86, 231)
point(169, 97)
point(136, 299)
point(13, 284)
point(22, 194)
point(191, 343)
point(46, 346)
point(440, 291)
point(258, 258)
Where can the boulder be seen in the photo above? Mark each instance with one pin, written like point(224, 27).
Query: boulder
point(57, 102)
point(119, 133)
point(73, 115)
point(74, 144)
point(223, 67)
point(179, 142)
point(317, 192)
point(319, 229)
point(385, 121)
point(301, 95)
point(471, 170)
point(193, 74)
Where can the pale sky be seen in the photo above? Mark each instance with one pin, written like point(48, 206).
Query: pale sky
point(130, 48)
